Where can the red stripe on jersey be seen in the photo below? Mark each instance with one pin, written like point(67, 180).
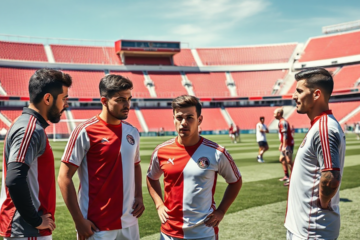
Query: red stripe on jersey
point(168, 142)
point(26, 139)
point(74, 136)
point(325, 142)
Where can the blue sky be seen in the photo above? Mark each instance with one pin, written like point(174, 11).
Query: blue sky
point(201, 23)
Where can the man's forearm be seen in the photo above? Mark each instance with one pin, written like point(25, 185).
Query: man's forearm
point(329, 184)
point(230, 194)
point(138, 181)
point(155, 191)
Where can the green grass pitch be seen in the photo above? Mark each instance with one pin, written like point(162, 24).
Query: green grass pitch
point(259, 210)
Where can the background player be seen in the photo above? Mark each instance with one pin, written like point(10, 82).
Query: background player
point(261, 130)
point(286, 147)
point(27, 202)
point(105, 149)
point(313, 200)
point(357, 130)
point(232, 130)
point(190, 165)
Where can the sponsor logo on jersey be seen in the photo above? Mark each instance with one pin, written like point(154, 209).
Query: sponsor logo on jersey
point(303, 142)
point(130, 139)
point(203, 162)
point(171, 161)
point(104, 140)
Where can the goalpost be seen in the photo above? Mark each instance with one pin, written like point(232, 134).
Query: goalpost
point(61, 131)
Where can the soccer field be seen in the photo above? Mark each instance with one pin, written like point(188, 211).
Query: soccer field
point(259, 210)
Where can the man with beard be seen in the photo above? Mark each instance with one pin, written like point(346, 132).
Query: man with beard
point(27, 202)
point(105, 149)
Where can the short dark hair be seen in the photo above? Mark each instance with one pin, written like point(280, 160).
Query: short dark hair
point(112, 83)
point(317, 78)
point(185, 101)
point(262, 118)
point(45, 81)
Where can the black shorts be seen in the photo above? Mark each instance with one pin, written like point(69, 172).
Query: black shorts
point(263, 144)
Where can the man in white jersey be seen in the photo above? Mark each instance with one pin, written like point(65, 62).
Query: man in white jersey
point(190, 165)
point(313, 199)
point(105, 152)
point(261, 130)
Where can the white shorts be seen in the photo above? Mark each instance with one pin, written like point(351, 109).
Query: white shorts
point(291, 236)
point(29, 238)
point(163, 236)
point(130, 233)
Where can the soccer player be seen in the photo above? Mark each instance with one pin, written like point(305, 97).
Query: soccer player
point(357, 130)
point(105, 151)
point(261, 130)
point(232, 133)
point(27, 202)
point(313, 200)
point(286, 147)
point(190, 164)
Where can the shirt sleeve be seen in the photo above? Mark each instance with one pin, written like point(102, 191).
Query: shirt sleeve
point(77, 147)
point(137, 154)
point(284, 126)
point(326, 144)
point(154, 171)
point(227, 168)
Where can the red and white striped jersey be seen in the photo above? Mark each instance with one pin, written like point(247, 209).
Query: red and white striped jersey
point(106, 155)
point(190, 175)
point(323, 149)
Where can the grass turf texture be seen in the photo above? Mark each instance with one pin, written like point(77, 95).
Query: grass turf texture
point(261, 193)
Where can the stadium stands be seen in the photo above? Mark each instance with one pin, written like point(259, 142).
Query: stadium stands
point(22, 51)
point(15, 81)
point(347, 77)
point(157, 118)
point(184, 58)
point(139, 90)
point(332, 46)
point(167, 85)
point(279, 53)
point(248, 117)
point(130, 60)
point(354, 119)
point(209, 84)
point(213, 120)
point(257, 83)
point(11, 114)
point(84, 54)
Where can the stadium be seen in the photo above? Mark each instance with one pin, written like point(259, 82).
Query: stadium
point(236, 85)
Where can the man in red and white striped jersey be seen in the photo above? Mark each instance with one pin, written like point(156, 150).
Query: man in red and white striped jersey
point(313, 200)
point(190, 165)
point(27, 201)
point(105, 152)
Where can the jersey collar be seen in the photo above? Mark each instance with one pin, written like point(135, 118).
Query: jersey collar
point(37, 115)
point(328, 112)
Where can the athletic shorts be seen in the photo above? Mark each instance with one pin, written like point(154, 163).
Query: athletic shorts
point(289, 151)
point(29, 238)
point(263, 144)
point(163, 236)
point(130, 233)
point(291, 236)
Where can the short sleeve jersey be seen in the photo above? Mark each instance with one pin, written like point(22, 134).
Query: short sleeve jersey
point(190, 175)
point(260, 136)
point(284, 128)
point(105, 155)
point(26, 142)
point(323, 149)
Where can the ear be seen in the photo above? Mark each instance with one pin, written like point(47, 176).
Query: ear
point(48, 98)
point(200, 119)
point(103, 100)
point(317, 94)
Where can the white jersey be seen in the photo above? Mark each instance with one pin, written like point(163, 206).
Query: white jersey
point(190, 175)
point(260, 136)
point(323, 149)
point(357, 128)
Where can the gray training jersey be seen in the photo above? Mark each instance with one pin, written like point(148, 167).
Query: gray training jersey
point(323, 149)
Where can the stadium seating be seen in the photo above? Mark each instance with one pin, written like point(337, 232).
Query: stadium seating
point(280, 53)
point(130, 60)
point(83, 114)
point(167, 85)
point(184, 58)
point(209, 84)
point(332, 46)
point(15, 81)
point(139, 90)
point(354, 119)
point(347, 77)
point(11, 114)
point(22, 51)
point(248, 117)
point(213, 120)
point(259, 83)
point(85, 54)
point(158, 118)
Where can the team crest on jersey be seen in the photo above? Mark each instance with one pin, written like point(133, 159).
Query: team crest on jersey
point(203, 162)
point(130, 139)
point(303, 142)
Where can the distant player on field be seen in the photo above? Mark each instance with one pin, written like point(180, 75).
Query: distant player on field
point(261, 130)
point(357, 130)
point(313, 200)
point(232, 131)
point(190, 164)
point(105, 151)
point(286, 147)
point(27, 201)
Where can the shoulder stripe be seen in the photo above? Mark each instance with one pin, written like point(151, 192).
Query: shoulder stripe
point(74, 136)
point(168, 142)
point(324, 139)
point(26, 139)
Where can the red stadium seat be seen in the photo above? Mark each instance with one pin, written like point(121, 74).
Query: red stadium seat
point(167, 85)
point(213, 119)
point(184, 58)
point(347, 77)
point(22, 51)
point(158, 118)
point(209, 84)
point(15, 81)
point(248, 117)
point(137, 78)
